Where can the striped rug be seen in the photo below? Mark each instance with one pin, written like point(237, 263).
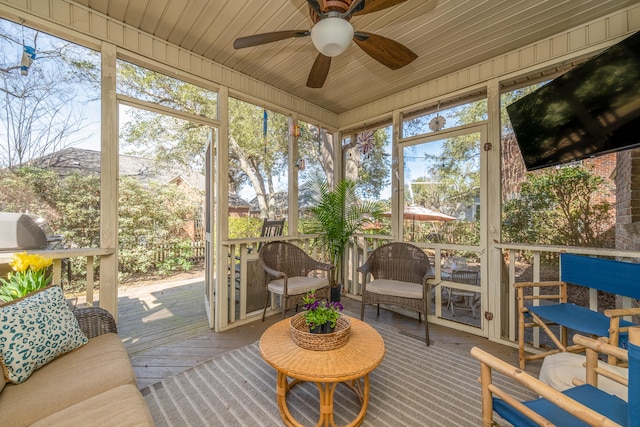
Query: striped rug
point(414, 385)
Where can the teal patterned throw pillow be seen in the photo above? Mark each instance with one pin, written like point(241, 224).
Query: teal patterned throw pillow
point(34, 331)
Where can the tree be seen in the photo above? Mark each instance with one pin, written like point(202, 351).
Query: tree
point(167, 139)
point(374, 167)
point(254, 159)
point(561, 206)
point(43, 111)
point(261, 158)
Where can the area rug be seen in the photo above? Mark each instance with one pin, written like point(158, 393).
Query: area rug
point(415, 385)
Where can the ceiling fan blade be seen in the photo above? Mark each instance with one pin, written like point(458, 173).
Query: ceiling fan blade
point(386, 51)
point(319, 71)
point(356, 6)
point(376, 5)
point(258, 39)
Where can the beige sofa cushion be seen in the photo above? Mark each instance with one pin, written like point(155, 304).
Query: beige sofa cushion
point(100, 365)
point(122, 406)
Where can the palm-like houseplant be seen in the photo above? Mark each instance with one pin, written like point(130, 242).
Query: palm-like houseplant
point(337, 214)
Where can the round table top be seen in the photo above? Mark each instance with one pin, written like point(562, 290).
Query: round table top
point(362, 353)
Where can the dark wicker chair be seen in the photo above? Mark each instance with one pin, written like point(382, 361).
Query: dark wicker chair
point(95, 321)
point(287, 267)
point(400, 272)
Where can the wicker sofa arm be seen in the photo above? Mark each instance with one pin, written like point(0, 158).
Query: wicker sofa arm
point(95, 321)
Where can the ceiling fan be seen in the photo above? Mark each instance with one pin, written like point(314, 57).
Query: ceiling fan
point(332, 33)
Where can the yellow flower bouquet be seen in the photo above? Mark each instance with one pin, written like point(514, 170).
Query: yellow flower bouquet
point(29, 275)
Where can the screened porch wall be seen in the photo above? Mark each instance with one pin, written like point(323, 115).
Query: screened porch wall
point(74, 22)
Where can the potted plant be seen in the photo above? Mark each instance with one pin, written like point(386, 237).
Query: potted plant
point(29, 275)
point(337, 214)
point(320, 315)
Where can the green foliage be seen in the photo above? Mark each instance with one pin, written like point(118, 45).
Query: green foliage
point(374, 170)
point(336, 215)
point(29, 275)
point(241, 227)
point(150, 217)
point(167, 139)
point(18, 285)
point(320, 312)
point(560, 206)
point(71, 204)
point(253, 158)
point(178, 259)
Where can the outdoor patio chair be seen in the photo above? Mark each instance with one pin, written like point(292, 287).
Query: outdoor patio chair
point(469, 277)
point(400, 272)
point(288, 267)
point(550, 306)
point(582, 405)
point(270, 228)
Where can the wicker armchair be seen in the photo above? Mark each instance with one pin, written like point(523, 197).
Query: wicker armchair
point(95, 321)
point(287, 267)
point(400, 272)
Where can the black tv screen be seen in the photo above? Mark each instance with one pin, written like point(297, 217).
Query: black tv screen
point(592, 109)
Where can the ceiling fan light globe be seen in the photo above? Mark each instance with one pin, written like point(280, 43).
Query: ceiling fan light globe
point(332, 36)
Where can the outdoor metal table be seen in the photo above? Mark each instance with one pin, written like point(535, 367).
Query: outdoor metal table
point(349, 364)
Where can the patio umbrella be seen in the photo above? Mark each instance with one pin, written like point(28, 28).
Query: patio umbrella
point(420, 213)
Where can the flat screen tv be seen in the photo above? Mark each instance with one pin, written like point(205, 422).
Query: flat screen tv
point(591, 110)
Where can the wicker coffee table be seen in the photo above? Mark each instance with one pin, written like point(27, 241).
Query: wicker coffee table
point(349, 364)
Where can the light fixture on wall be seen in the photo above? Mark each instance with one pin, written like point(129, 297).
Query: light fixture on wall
point(332, 35)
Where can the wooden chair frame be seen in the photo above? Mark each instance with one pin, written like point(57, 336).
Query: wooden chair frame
point(561, 342)
point(616, 277)
point(592, 346)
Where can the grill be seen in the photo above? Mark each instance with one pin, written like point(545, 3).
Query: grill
point(19, 232)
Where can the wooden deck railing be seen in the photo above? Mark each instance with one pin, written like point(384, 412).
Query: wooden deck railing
point(502, 277)
point(59, 254)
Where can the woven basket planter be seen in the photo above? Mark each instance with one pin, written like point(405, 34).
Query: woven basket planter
point(319, 342)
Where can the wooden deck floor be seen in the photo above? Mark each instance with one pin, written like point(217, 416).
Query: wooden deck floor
point(165, 330)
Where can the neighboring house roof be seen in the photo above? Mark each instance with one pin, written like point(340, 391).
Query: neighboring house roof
point(237, 202)
point(70, 160)
point(281, 200)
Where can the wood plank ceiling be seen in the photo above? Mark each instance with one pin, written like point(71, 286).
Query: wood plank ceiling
point(446, 34)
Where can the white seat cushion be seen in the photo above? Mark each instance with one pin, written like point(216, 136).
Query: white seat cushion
point(395, 288)
point(559, 370)
point(298, 285)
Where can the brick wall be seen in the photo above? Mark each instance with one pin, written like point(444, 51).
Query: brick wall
point(627, 179)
